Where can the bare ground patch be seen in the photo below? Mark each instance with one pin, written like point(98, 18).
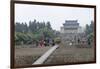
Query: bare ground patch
point(64, 55)
point(26, 56)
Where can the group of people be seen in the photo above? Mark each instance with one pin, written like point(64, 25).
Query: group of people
point(48, 42)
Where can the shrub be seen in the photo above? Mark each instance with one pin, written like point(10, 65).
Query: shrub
point(57, 40)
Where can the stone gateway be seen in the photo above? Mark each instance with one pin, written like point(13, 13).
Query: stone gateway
point(72, 34)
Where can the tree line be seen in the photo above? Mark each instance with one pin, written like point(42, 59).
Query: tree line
point(90, 32)
point(32, 33)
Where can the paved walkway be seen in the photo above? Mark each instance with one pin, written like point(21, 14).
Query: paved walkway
point(45, 55)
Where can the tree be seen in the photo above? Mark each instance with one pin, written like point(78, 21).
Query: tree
point(25, 28)
point(91, 27)
point(32, 26)
point(18, 27)
point(49, 25)
point(87, 29)
point(90, 32)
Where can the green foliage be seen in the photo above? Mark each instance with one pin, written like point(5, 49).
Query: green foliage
point(90, 37)
point(33, 33)
point(89, 28)
point(57, 40)
point(21, 27)
point(48, 25)
point(20, 37)
point(90, 32)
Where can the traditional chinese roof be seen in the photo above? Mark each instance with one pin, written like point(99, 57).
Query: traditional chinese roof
point(71, 22)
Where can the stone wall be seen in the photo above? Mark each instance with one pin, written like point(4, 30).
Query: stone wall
point(74, 39)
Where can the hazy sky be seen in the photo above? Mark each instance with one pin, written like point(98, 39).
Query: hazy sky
point(56, 15)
